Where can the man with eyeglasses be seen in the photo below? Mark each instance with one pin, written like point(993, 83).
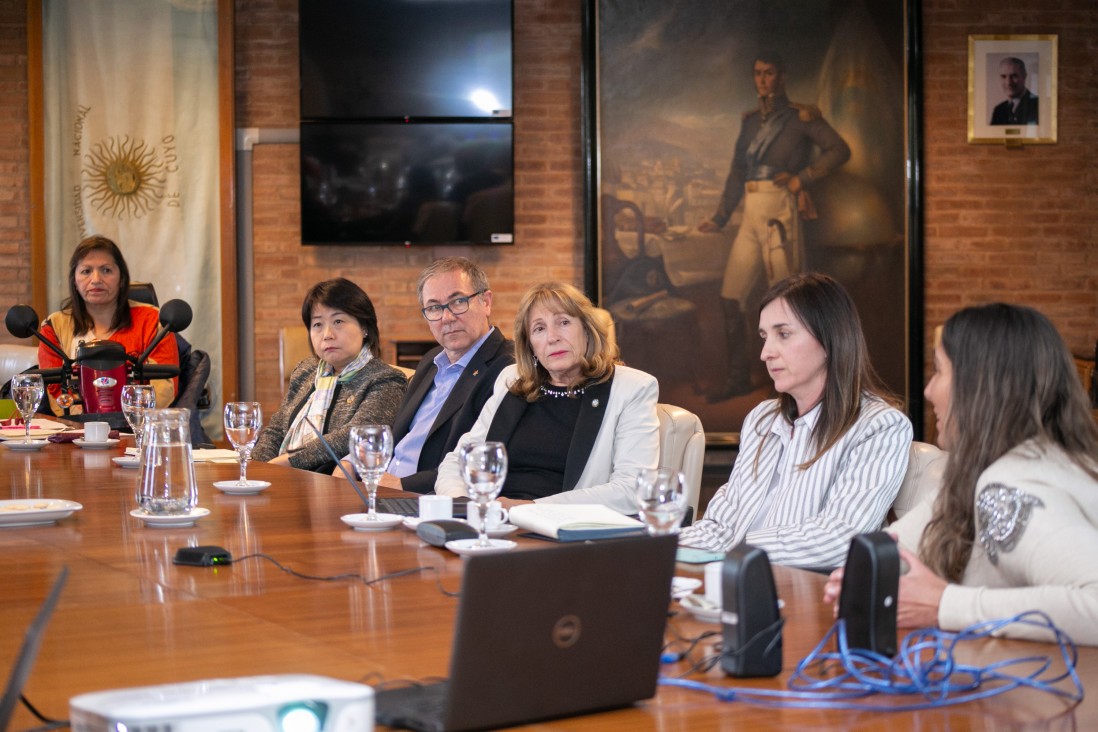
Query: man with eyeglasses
point(451, 382)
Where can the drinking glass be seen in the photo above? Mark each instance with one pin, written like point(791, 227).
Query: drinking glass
point(483, 468)
point(371, 450)
point(167, 486)
point(27, 391)
point(661, 498)
point(242, 423)
point(136, 400)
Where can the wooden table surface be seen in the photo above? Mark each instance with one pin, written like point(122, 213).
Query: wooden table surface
point(128, 616)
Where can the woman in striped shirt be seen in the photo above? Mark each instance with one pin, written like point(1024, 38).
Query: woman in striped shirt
point(824, 460)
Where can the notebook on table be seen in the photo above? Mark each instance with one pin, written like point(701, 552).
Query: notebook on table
point(547, 633)
point(20, 671)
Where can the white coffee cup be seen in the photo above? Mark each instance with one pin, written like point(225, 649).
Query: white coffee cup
point(96, 431)
point(713, 572)
point(497, 516)
point(435, 507)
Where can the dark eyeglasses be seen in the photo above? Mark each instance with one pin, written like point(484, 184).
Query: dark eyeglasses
point(457, 306)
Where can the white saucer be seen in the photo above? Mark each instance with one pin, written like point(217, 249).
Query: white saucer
point(186, 519)
point(683, 586)
point(701, 608)
point(25, 446)
point(85, 445)
point(411, 522)
point(35, 511)
point(359, 522)
point(247, 488)
point(127, 461)
point(468, 547)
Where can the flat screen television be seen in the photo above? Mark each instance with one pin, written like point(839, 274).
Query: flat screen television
point(405, 58)
point(407, 183)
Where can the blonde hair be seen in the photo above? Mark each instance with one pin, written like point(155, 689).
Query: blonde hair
point(597, 362)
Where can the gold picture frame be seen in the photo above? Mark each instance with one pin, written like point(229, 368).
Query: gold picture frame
point(1012, 89)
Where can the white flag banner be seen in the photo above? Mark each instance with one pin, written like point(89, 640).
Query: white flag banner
point(131, 147)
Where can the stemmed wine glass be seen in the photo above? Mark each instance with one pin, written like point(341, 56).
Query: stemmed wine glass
point(242, 423)
point(661, 499)
point(136, 399)
point(27, 391)
point(371, 449)
point(483, 468)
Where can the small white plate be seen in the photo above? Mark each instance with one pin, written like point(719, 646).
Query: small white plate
point(469, 547)
point(683, 586)
point(127, 461)
point(359, 522)
point(85, 445)
point(39, 428)
point(35, 511)
point(247, 488)
point(411, 522)
point(186, 519)
point(26, 446)
point(701, 608)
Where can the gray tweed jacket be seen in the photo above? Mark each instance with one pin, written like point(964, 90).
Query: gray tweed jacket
point(370, 397)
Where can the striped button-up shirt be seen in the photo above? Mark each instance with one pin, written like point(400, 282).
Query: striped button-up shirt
point(812, 513)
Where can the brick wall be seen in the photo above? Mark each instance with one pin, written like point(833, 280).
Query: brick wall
point(1020, 224)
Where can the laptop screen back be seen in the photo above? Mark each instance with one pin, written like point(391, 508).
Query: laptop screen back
point(558, 632)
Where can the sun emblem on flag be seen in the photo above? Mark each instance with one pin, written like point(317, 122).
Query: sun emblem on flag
point(125, 177)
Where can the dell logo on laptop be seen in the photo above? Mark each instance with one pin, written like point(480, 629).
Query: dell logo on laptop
point(566, 631)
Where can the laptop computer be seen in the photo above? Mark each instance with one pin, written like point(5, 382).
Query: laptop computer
point(548, 633)
point(20, 671)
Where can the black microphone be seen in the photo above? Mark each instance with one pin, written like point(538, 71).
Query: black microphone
point(175, 316)
point(22, 322)
point(331, 452)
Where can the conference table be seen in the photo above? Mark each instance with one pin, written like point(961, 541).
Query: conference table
point(130, 617)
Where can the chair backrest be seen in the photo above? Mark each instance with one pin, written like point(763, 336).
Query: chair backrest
point(144, 292)
point(922, 479)
point(682, 447)
point(194, 372)
point(16, 358)
point(294, 347)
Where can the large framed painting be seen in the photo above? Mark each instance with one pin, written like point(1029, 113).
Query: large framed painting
point(731, 143)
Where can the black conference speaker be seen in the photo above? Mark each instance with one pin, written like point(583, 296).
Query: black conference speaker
point(871, 583)
point(751, 623)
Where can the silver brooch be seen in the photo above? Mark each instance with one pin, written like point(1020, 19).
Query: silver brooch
point(1001, 514)
point(594, 402)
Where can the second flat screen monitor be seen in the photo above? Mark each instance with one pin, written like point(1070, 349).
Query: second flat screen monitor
point(406, 183)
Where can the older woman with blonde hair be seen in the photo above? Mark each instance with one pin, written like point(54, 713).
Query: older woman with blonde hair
point(578, 425)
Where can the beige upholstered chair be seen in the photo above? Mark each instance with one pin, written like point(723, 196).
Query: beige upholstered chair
point(16, 358)
point(682, 447)
point(923, 477)
point(293, 347)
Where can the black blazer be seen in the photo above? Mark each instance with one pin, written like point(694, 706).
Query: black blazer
point(460, 410)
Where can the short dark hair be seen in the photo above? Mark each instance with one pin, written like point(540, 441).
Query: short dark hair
point(344, 295)
point(82, 321)
point(1017, 62)
point(771, 57)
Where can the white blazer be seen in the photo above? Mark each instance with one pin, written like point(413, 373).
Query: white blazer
point(627, 440)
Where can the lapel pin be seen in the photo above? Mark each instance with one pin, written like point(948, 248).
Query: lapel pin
point(594, 402)
point(476, 372)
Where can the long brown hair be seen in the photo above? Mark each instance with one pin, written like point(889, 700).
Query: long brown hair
point(557, 297)
point(1013, 380)
point(826, 309)
point(74, 303)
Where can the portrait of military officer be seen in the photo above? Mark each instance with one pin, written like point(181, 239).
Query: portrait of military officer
point(1020, 105)
point(783, 147)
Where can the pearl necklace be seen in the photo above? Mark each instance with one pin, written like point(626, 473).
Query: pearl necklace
point(557, 393)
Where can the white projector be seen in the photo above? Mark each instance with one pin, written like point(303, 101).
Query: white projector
point(283, 703)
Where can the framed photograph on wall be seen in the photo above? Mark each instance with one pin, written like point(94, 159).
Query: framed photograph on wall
point(674, 109)
point(1012, 89)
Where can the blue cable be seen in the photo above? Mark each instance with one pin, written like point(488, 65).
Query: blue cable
point(924, 666)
